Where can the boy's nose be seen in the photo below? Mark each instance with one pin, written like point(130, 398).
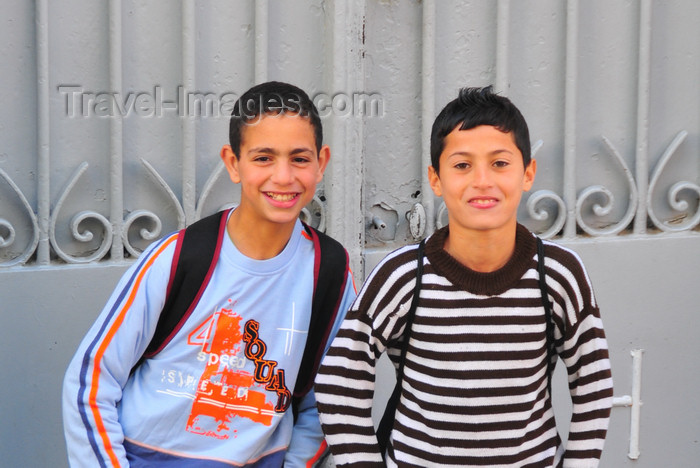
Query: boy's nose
point(282, 173)
point(482, 176)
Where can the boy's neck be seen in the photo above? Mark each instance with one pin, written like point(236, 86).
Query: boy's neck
point(482, 251)
point(259, 241)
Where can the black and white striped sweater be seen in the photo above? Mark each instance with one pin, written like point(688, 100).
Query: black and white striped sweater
point(475, 386)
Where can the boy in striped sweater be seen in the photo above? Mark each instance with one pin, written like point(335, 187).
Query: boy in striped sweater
point(475, 390)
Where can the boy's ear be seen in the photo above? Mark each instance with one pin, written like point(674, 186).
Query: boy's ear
point(529, 177)
point(434, 180)
point(324, 156)
point(231, 162)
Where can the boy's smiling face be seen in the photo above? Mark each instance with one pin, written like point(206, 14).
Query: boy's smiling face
point(481, 179)
point(278, 168)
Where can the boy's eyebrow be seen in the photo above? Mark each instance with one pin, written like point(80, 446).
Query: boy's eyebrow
point(491, 153)
point(269, 150)
point(262, 149)
point(301, 150)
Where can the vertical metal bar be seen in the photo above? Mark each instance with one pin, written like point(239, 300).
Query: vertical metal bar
point(635, 416)
point(634, 401)
point(427, 110)
point(116, 131)
point(502, 38)
point(643, 86)
point(189, 163)
point(43, 131)
point(344, 175)
point(261, 36)
point(570, 102)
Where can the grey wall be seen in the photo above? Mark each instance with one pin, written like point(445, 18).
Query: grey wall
point(609, 88)
point(44, 315)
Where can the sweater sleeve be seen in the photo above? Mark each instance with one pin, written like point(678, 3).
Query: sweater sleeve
point(308, 445)
point(345, 382)
point(93, 383)
point(584, 351)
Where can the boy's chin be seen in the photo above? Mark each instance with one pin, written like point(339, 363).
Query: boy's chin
point(483, 226)
point(286, 218)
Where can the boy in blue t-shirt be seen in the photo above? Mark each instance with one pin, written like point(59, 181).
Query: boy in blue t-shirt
point(219, 390)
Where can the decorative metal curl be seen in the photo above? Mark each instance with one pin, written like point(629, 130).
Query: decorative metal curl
point(87, 236)
point(677, 204)
point(673, 196)
point(534, 148)
point(226, 206)
point(319, 212)
point(543, 215)
point(442, 218)
point(76, 221)
point(208, 187)
point(10, 238)
point(604, 210)
point(168, 191)
point(146, 234)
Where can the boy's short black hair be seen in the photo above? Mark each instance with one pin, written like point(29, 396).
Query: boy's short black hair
point(474, 107)
point(272, 97)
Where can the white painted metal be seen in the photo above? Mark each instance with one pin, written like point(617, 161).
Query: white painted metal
point(344, 176)
point(116, 130)
point(261, 35)
point(43, 137)
point(643, 90)
point(502, 47)
point(634, 402)
point(189, 160)
point(427, 110)
point(635, 419)
point(570, 108)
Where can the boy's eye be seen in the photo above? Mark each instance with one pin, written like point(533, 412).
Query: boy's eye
point(301, 160)
point(501, 163)
point(462, 165)
point(261, 158)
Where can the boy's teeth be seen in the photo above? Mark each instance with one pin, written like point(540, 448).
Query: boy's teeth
point(281, 196)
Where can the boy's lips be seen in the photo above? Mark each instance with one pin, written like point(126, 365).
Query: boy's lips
point(482, 202)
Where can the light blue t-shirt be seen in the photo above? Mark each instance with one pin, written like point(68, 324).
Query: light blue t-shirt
point(221, 389)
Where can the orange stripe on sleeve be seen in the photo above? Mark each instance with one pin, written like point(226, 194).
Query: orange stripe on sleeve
point(103, 346)
point(352, 277)
point(319, 454)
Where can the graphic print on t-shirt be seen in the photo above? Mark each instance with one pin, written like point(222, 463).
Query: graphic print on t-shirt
point(225, 390)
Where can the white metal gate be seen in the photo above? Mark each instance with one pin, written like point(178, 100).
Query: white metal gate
point(114, 112)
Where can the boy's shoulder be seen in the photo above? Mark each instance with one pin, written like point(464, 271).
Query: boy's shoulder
point(404, 255)
point(398, 265)
point(566, 267)
point(321, 238)
point(557, 255)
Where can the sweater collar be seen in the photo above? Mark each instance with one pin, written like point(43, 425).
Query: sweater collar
point(489, 284)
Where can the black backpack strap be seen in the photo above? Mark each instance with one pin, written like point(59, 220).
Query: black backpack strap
point(548, 316)
point(193, 264)
point(331, 269)
point(387, 422)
